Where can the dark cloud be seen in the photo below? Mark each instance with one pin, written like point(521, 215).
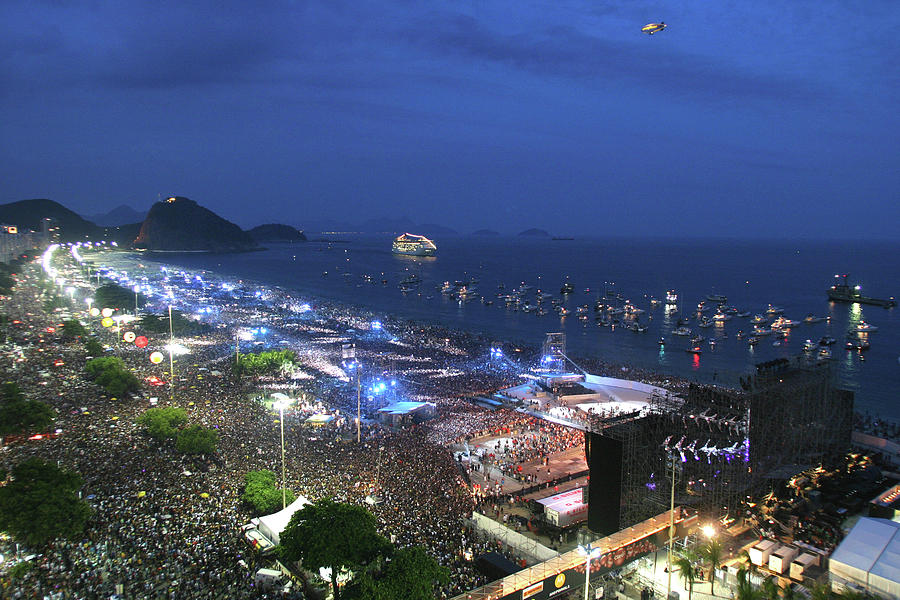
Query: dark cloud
point(564, 51)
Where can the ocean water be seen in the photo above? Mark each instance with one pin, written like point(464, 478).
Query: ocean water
point(752, 274)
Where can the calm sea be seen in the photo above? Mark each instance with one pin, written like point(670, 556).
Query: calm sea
point(752, 274)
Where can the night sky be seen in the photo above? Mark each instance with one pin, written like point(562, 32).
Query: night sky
point(758, 118)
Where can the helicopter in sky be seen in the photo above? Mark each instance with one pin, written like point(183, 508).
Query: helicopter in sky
point(651, 28)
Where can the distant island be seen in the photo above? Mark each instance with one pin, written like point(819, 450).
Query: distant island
point(534, 232)
point(273, 232)
point(485, 232)
point(179, 224)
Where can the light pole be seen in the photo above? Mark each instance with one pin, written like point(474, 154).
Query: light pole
point(358, 403)
point(671, 530)
point(281, 404)
point(171, 360)
point(590, 553)
point(136, 290)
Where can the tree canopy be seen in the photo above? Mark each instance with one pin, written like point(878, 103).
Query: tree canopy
point(93, 347)
point(262, 492)
point(163, 422)
point(112, 374)
point(411, 574)
point(197, 439)
point(72, 329)
point(110, 295)
point(21, 415)
point(181, 325)
point(327, 534)
point(262, 363)
point(41, 504)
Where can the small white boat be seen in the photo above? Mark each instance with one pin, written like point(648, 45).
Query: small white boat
point(811, 318)
point(682, 331)
point(757, 319)
point(774, 310)
point(864, 327)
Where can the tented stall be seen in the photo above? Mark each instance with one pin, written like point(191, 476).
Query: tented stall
point(272, 525)
point(869, 558)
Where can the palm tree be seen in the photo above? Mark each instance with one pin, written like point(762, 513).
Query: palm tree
point(712, 552)
point(821, 591)
point(685, 566)
point(745, 589)
point(770, 588)
point(788, 593)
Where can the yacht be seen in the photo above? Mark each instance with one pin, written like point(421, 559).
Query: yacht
point(857, 345)
point(671, 297)
point(864, 327)
point(809, 346)
point(411, 280)
point(774, 310)
point(411, 244)
point(682, 331)
point(758, 319)
point(783, 323)
point(717, 298)
point(826, 341)
point(811, 318)
point(824, 354)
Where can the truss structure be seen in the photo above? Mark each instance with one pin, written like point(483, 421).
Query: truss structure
point(721, 445)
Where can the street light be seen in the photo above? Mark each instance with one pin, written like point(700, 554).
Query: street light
point(171, 360)
point(281, 404)
point(671, 528)
point(137, 289)
point(590, 553)
point(708, 531)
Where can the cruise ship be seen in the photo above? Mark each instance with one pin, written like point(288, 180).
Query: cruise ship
point(411, 244)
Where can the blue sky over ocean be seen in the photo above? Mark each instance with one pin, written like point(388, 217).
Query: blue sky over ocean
point(748, 119)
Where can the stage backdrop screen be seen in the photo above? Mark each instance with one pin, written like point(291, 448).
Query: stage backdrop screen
point(604, 459)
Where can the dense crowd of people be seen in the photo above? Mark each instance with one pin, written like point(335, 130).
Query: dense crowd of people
point(166, 525)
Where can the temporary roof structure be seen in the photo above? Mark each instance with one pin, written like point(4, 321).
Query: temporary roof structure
point(870, 557)
point(272, 525)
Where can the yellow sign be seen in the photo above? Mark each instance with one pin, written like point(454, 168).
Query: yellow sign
point(560, 580)
point(156, 358)
point(107, 322)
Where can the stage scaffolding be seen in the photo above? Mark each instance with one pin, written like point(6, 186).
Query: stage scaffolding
point(726, 444)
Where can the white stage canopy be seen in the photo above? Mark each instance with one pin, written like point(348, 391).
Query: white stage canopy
point(869, 557)
point(272, 525)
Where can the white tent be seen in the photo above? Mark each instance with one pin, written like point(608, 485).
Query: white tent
point(869, 557)
point(272, 525)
